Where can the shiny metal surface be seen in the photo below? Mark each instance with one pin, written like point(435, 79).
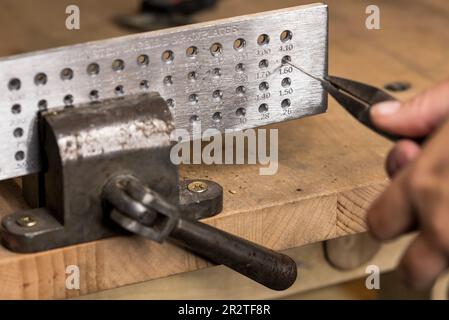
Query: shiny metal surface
point(213, 72)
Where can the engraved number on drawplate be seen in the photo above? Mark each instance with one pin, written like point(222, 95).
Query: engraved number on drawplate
point(216, 72)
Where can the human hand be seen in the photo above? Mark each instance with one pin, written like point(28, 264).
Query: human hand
point(418, 196)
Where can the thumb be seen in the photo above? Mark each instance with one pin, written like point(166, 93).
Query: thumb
point(414, 118)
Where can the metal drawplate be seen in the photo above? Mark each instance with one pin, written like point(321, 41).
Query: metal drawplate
point(218, 72)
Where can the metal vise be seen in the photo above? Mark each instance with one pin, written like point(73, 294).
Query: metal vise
point(84, 147)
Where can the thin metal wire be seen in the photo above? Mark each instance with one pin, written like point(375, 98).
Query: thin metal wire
point(284, 62)
point(305, 72)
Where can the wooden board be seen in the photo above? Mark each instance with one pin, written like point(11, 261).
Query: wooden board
point(330, 167)
point(314, 273)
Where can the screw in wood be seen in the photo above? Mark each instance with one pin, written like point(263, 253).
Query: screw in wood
point(197, 186)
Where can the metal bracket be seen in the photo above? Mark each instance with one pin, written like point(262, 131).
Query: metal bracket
point(86, 146)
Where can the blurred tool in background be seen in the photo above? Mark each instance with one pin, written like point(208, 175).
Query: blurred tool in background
point(159, 14)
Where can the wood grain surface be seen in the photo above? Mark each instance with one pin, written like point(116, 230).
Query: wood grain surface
point(330, 167)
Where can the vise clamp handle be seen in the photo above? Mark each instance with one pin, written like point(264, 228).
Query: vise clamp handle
point(143, 211)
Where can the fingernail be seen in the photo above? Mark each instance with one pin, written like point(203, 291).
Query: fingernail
point(386, 108)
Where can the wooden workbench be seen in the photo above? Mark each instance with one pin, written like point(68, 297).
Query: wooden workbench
point(330, 167)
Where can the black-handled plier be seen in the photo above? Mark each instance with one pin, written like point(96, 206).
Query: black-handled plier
point(357, 98)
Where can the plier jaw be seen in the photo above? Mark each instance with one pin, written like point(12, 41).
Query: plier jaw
point(361, 91)
point(358, 98)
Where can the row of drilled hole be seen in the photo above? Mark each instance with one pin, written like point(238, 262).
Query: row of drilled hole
point(41, 79)
point(193, 98)
point(241, 112)
point(168, 56)
point(240, 90)
point(144, 84)
point(240, 67)
point(93, 69)
point(216, 117)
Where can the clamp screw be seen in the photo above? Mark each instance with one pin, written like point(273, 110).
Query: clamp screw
point(26, 221)
point(197, 186)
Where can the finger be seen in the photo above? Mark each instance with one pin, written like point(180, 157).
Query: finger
point(402, 153)
point(435, 222)
point(422, 263)
point(414, 118)
point(392, 213)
